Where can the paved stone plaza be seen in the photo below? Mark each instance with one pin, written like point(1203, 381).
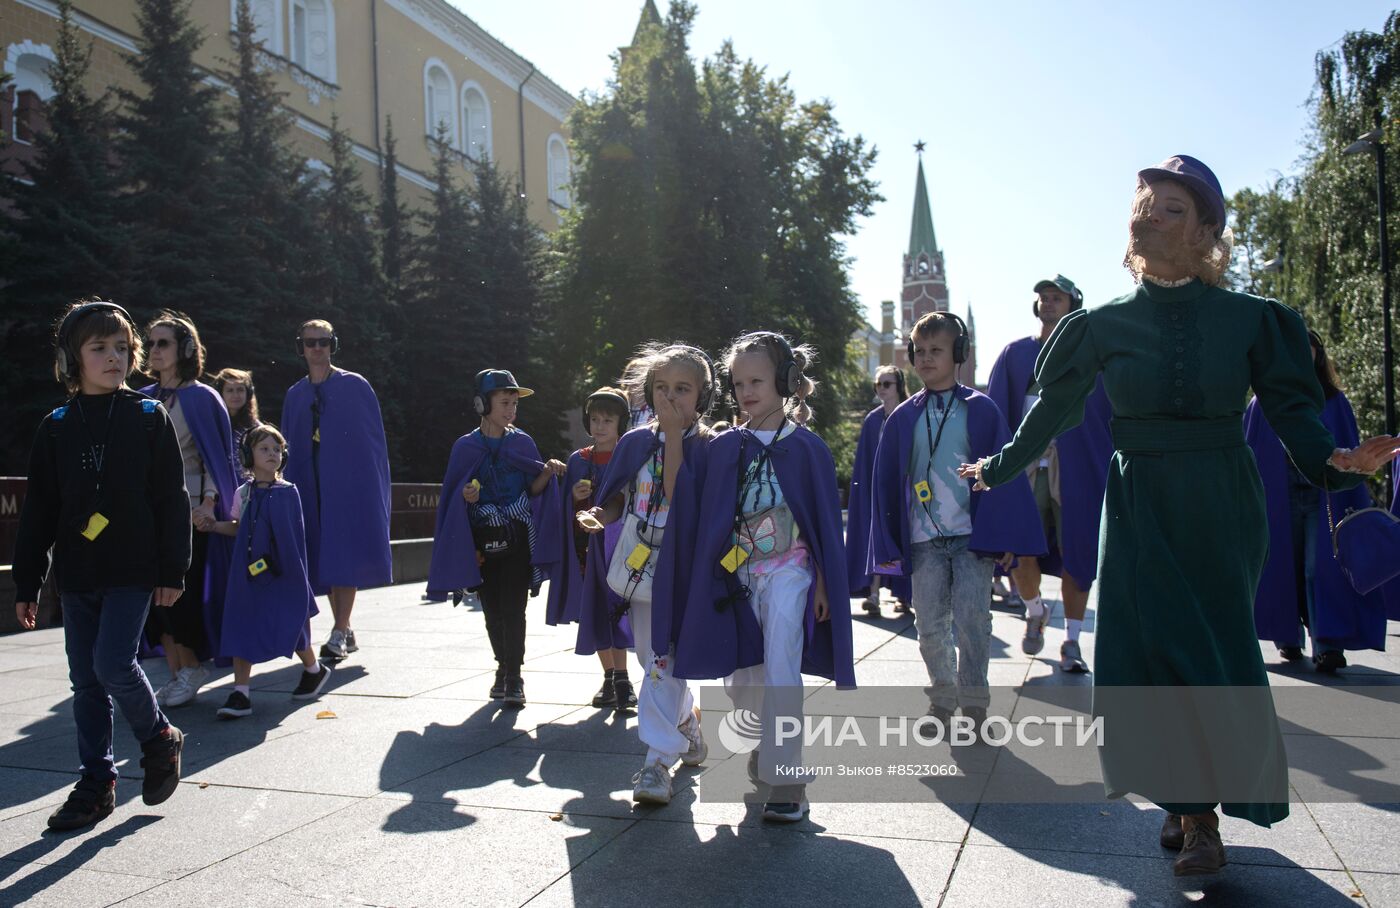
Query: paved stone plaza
point(421, 791)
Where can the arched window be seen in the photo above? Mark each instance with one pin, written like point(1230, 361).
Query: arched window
point(476, 122)
point(313, 37)
point(560, 172)
point(438, 92)
point(29, 64)
point(267, 22)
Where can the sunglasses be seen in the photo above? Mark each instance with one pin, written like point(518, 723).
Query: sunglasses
point(162, 343)
point(317, 341)
point(884, 384)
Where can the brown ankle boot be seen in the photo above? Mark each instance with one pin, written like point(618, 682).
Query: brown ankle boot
point(1172, 836)
point(1201, 851)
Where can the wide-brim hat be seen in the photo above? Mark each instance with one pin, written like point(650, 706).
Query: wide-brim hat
point(1190, 171)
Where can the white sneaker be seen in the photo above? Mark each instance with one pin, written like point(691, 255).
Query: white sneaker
point(178, 692)
point(652, 785)
point(350, 645)
point(195, 677)
point(334, 648)
point(698, 750)
point(163, 693)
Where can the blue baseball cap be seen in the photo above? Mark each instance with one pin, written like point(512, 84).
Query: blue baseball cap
point(1190, 171)
point(488, 380)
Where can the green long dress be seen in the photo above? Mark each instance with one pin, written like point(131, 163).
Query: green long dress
point(1183, 538)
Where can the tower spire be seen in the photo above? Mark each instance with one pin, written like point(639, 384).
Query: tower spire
point(921, 237)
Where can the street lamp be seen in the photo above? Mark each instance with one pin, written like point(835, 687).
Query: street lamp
point(1371, 142)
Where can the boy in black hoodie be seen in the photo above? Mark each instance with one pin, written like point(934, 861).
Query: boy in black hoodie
point(107, 492)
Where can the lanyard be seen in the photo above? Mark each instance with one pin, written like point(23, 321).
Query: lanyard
point(99, 452)
point(763, 461)
point(255, 508)
point(933, 441)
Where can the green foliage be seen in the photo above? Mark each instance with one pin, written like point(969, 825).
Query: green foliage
point(709, 204)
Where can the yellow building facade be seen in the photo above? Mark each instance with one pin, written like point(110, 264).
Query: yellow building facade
point(421, 62)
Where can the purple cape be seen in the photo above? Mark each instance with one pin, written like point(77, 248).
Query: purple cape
point(347, 522)
point(595, 623)
point(204, 412)
point(1084, 451)
point(566, 589)
point(714, 642)
point(858, 505)
point(1391, 590)
point(454, 565)
point(1004, 519)
point(266, 616)
point(1344, 617)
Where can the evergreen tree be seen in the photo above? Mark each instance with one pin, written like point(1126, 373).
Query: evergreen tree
point(393, 216)
point(169, 139)
point(64, 240)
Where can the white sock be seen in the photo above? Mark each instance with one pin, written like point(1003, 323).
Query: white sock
point(241, 689)
point(1034, 607)
point(315, 669)
point(1072, 627)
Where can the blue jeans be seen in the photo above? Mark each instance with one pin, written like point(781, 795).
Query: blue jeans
point(953, 595)
point(101, 630)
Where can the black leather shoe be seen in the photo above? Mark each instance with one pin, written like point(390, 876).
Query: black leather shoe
point(1172, 837)
point(1330, 661)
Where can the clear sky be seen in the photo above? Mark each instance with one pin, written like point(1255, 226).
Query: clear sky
point(1037, 115)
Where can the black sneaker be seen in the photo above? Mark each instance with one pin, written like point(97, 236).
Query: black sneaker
point(310, 686)
point(236, 706)
point(498, 690)
point(606, 697)
point(161, 761)
point(786, 811)
point(1330, 661)
point(514, 692)
point(88, 802)
point(1291, 653)
point(626, 696)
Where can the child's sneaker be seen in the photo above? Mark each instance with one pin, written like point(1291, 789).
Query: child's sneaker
point(1071, 660)
point(160, 758)
point(498, 689)
point(236, 706)
point(871, 605)
point(698, 750)
point(350, 645)
point(652, 785)
point(1034, 640)
point(786, 811)
point(515, 692)
point(88, 802)
point(334, 648)
point(310, 686)
point(626, 695)
point(178, 692)
point(606, 697)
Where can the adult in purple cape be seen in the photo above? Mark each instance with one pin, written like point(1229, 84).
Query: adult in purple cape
point(1302, 586)
point(498, 526)
point(1068, 482)
point(714, 641)
point(606, 413)
point(189, 631)
point(1003, 520)
point(890, 392)
point(338, 459)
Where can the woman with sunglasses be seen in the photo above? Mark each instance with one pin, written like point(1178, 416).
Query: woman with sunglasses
point(338, 459)
point(889, 393)
point(188, 631)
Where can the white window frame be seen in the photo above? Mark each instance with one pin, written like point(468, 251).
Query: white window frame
point(13, 53)
point(330, 74)
point(454, 137)
point(466, 145)
point(559, 188)
point(275, 46)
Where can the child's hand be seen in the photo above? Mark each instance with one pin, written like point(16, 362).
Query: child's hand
point(27, 613)
point(819, 600)
point(591, 520)
point(1004, 562)
point(165, 596)
point(582, 489)
point(203, 516)
point(556, 467)
point(472, 492)
point(670, 418)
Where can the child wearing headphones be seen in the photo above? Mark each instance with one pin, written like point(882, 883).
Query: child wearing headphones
point(497, 525)
point(889, 393)
point(119, 528)
point(241, 400)
point(767, 599)
point(269, 602)
point(606, 413)
point(927, 525)
point(188, 631)
point(650, 493)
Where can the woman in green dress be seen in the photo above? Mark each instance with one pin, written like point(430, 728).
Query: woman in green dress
point(1181, 684)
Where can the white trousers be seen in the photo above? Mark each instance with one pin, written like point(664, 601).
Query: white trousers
point(774, 689)
point(664, 703)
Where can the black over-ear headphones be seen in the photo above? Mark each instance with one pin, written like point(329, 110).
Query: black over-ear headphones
point(245, 451)
point(607, 397)
point(69, 365)
point(1076, 301)
point(899, 384)
point(960, 343)
point(184, 339)
point(335, 344)
point(789, 374)
point(707, 392)
point(481, 402)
